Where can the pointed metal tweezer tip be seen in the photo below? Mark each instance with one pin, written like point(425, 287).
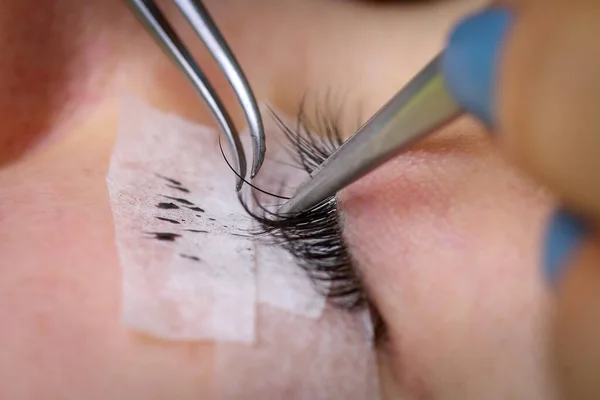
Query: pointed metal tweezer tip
point(204, 26)
point(417, 110)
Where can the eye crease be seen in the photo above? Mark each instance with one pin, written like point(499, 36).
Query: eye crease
point(314, 237)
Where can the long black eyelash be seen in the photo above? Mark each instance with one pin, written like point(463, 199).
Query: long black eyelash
point(314, 237)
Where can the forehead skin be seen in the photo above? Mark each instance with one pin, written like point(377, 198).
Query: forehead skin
point(452, 267)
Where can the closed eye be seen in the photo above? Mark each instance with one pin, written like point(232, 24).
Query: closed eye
point(314, 237)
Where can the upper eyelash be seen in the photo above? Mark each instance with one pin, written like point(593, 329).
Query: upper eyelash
point(314, 237)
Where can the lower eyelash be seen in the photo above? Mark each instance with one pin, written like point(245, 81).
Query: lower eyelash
point(314, 237)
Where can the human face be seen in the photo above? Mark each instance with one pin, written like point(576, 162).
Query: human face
point(445, 235)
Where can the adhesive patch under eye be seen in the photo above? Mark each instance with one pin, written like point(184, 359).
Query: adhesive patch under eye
point(191, 270)
point(331, 357)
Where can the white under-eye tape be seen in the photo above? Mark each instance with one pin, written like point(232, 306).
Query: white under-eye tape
point(295, 357)
point(190, 268)
point(179, 230)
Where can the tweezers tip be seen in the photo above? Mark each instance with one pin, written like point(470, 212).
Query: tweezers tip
point(256, 166)
point(258, 160)
point(241, 167)
point(287, 208)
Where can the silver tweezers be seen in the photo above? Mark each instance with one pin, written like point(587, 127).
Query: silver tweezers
point(417, 110)
point(201, 21)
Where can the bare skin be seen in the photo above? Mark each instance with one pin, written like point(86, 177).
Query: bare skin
point(448, 249)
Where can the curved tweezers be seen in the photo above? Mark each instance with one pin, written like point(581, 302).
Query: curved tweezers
point(204, 26)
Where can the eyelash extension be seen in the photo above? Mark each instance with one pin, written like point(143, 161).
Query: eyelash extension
point(314, 237)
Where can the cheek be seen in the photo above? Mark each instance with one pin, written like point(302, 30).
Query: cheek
point(447, 236)
point(60, 287)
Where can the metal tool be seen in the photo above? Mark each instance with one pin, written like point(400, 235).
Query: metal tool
point(204, 26)
point(418, 109)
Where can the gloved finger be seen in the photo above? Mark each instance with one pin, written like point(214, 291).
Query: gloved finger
point(532, 72)
point(576, 328)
